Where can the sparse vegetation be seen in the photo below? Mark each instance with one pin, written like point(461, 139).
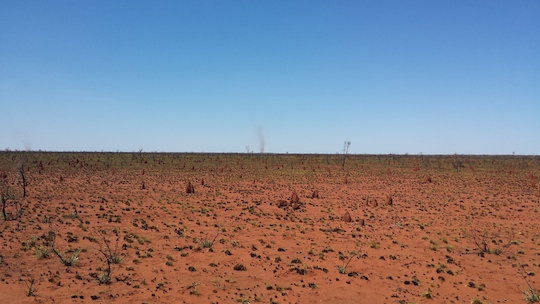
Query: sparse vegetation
point(346, 259)
point(490, 240)
point(86, 224)
point(31, 284)
point(532, 295)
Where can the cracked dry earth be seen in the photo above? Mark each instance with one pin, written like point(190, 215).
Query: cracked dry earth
point(122, 228)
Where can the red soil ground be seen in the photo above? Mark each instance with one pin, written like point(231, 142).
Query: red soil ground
point(230, 242)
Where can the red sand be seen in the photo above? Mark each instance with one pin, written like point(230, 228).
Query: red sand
point(184, 248)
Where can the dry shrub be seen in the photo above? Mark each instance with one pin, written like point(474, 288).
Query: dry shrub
point(295, 206)
point(190, 188)
point(491, 240)
point(347, 217)
point(294, 198)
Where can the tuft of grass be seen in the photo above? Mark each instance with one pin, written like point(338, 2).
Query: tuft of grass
point(375, 245)
point(42, 252)
point(70, 215)
point(105, 279)
point(428, 294)
point(193, 289)
point(532, 295)
point(243, 300)
point(142, 240)
point(72, 259)
point(204, 243)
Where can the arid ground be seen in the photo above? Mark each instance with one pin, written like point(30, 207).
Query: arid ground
point(122, 228)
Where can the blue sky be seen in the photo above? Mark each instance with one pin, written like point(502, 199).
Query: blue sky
point(431, 77)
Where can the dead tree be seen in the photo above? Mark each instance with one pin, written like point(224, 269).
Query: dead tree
point(21, 167)
point(6, 197)
point(4, 203)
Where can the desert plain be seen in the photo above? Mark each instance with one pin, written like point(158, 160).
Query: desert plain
point(268, 228)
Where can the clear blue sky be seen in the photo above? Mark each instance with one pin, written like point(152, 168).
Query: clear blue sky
point(436, 77)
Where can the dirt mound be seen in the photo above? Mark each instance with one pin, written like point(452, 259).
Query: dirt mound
point(190, 188)
point(282, 204)
point(347, 217)
point(294, 198)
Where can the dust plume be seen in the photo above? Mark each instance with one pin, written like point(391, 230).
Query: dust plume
point(27, 146)
point(260, 135)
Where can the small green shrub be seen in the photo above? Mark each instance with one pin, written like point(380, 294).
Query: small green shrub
point(532, 295)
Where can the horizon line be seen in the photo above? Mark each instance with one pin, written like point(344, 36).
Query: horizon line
point(267, 153)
